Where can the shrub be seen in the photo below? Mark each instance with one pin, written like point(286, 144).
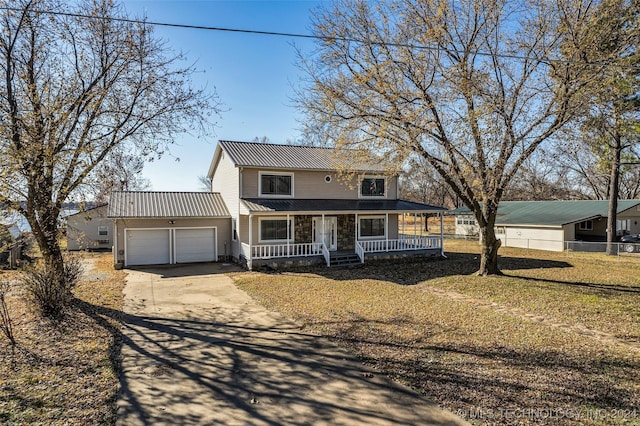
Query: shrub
point(51, 292)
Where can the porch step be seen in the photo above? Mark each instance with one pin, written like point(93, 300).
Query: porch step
point(344, 259)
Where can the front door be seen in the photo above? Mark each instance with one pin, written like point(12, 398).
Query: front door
point(327, 234)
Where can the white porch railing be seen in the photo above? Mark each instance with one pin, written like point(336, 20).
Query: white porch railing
point(360, 251)
point(405, 242)
point(326, 254)
point(270, 251)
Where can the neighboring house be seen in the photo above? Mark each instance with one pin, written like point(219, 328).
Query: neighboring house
point(89, 230)
point(273, 204)
point(547, 225)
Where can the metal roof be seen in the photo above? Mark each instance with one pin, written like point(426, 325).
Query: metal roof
point(552, 213)
point(260, 205)
point(149, 204)
point(273, 156)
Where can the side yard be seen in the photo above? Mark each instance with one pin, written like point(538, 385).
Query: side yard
point(64, 374)
point(555, 341)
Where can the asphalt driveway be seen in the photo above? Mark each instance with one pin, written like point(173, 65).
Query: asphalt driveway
point(197, 350)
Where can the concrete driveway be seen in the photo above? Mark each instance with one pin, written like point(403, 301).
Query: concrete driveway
point(197, 350)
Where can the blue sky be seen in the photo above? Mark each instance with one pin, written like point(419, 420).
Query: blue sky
point(253, 74)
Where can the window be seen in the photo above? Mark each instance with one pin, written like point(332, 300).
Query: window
point(466, 220)
point(279, 185)
point(372, 187)
point(372, 227)
point(103, 230)
point(587, 225)
point(275, 230)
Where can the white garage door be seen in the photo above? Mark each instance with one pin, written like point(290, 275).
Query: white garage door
point(195, 245)
point(147, 247)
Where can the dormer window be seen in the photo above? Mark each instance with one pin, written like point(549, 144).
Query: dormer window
point(276, 184)
point(372, 187)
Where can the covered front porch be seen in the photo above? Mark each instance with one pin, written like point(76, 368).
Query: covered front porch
point(334, 237)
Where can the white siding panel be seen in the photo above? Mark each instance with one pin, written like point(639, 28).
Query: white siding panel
point(195, 245)
point(147, 247)
point(535, 238)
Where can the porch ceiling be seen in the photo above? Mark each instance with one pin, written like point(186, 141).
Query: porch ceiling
point(264, 205)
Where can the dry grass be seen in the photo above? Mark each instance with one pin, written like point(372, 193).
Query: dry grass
point(555, 341)
point(64, 374)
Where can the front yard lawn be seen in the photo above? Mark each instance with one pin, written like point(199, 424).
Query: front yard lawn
point(555, 341)
point(64, 374)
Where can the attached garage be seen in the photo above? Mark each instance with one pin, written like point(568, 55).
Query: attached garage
point(160, 228)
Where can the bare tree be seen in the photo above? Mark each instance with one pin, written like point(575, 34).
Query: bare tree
point(72, 89)
point(204, 183)
point(119, 171)
point(609, 123)
point(468, 85)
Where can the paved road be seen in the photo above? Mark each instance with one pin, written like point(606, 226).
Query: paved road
point(197, 350)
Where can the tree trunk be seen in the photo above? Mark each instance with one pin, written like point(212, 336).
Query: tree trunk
point(45, 232)
point(614, 180)
point(490, 246)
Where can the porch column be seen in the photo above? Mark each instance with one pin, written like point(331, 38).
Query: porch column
point(250, 237)
point(323, 231)
point(355, 230)
point(442, 234)
point(288, 234)
point(386, 230)
point(415, 232)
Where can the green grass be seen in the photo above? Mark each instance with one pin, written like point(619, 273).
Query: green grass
point(557, 332)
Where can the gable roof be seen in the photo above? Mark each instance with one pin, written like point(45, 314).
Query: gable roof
point(150, 204)
point(274, 156)
point(553, 213)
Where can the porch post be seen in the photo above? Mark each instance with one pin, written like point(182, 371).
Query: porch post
point(386, 230)
point(323, 231)
point(415, 232)
point(250, 237)
point(288, 234)
point(442, 234)
point(355, 230)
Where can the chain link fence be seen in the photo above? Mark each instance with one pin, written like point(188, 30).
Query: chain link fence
point(601, 247)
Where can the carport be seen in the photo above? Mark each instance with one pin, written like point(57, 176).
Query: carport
point(157, 228)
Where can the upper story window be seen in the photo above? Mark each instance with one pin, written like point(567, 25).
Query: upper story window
point(276, 184)
point(372, 187)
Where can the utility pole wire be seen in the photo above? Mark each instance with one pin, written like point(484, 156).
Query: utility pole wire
point(548, 61)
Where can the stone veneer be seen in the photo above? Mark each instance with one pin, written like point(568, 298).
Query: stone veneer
point(347, 232)
point(303, 232)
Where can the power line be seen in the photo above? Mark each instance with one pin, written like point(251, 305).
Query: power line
point(303, 36)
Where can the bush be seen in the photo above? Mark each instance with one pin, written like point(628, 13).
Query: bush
point(51, 292)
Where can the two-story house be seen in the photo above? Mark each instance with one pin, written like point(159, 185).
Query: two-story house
point(273, 204)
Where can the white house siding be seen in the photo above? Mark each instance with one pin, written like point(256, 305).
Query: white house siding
point(312, 184)
point(226, 181)
point(82, 230)
point(222, 225)
point(540, 238)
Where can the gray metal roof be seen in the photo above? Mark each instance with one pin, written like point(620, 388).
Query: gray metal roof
point(149, 204)
point(552, 213)
point(250, 154)
point(260, 205)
